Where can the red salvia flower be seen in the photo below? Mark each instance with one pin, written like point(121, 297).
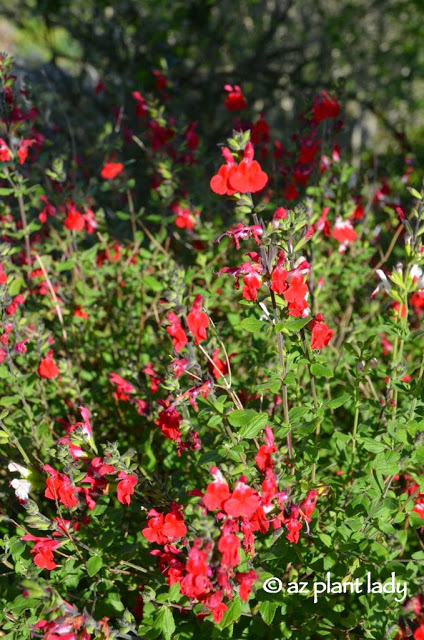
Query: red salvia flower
point(229, 545)
point(279, 280)
point(125, 487)
point(175, 330)
point(198, 321)
point(174, 526)
point(321, 334)
point(220, 367)
point(325, 107)
point(235, 101)
point(48, 368)
point(4, 151)
point(220, 182)
point(111, 170)
point(245, 581)
point(243, 502)
point(23, 150)
point(248, 175)
point(43, 551)
point(59, 488)
point(74, 220)
point(141, 109)
point(252, 283)
point(169, 422)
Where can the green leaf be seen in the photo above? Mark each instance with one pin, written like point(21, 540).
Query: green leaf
point(267, 610)
point(335, 403)
point(7, 401)
point(292, 326)
point(233, 613)
point(321, 370)
point(65, 266)
point(253, 325)
point(325, 539)
point(372, 445)
point(252, 428)
point(153, 284)
point(15, 286)
point(94, 565)
point(241, 417)
point(386, 463)
point(165, 622)
point(416, 194)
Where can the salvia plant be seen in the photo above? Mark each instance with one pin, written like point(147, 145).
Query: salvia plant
point(211, 370)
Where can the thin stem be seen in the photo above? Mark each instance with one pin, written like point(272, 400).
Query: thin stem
point(24, 227)
point(280, 343)
point(314, 397)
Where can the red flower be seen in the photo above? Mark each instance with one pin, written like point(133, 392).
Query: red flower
point(185, 218)
point(43, 551)
point(220, 182)
point(294, 527)
point(179, 338)
point(174, 526)
point(162, 529)
point(243, 502)
point(59, 488)
point(142, 109)
point(111, 170)
point(4, 151)
point(344, 232)
point(229, 545)
point(263, 457)
point(245, 581)
point(80, 313)
point(279, 280)
point(235, 101)
point(23, 150)
point(216, 494)
point(169, 423)
point(325, 107)
point(248, 175)
point(252, 283)
point(47, 368)
point(296, 295)
point(3, 276)
point(74, 220)
point(419, 633)
point(154, 378)
point(321, 335)
point(198, 321)
point(125, 487)
point(123, 387)
point(220, 367)
point(154, 530)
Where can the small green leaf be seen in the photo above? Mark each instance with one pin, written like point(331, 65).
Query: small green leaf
point(94, 565)
point(241, 417)
point(153, 284)
point(416, 194)
point(253, 325)
point(7, 401)
point(165, 622)
point(321, 370)
point(233, 613)
point(267, 610)
point(372, 445)
point(335, 403)
point(252, 428)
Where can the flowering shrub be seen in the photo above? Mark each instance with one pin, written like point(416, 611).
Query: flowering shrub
point(217, 386)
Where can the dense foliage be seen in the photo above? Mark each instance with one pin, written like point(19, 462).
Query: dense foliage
point(211, 375)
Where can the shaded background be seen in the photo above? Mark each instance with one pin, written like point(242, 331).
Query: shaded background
point(282, 52)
